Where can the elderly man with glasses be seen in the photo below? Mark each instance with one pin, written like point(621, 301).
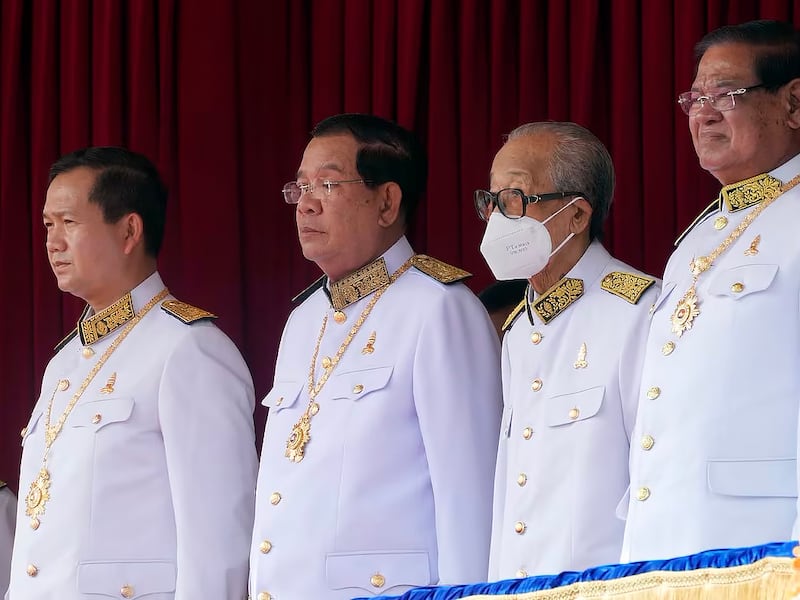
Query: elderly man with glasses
point(569, 353)
point(718, 403)
point(377, 465)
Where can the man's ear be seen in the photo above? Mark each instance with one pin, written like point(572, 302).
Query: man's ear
point(582, 217)
point(389, 204)
point(131, 228)
point(793, 99)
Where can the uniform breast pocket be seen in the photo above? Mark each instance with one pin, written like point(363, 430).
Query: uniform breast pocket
point(755, 478)
point(377, 572)
point(358, 385)
point(739, 282)
point(284, 394)
point(154, 580)
point(566, 409)
point(98, 414)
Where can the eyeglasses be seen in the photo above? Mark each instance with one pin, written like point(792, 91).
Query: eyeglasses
point(692, 102)
point(511, 202)
point(294, 190)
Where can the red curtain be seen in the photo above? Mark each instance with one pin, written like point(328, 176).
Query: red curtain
point(222, 95)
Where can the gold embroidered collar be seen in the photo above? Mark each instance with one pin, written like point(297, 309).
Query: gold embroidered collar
point(107, 320)
point(744, 194)
point(359, 284)
point(556, 300)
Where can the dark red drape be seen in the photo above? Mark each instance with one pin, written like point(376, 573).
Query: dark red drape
point(222, 95)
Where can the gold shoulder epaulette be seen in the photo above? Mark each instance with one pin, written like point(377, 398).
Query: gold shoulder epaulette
point(706, 211)
point(309, 290)
point(627, 286)
point(513, 316)
point(438, 270)
point(186, 312)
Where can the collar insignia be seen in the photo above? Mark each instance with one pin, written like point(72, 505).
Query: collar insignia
point(627, 286)
point(747, 193)
point(107, 320)
point(359, 284)
point(558, 298)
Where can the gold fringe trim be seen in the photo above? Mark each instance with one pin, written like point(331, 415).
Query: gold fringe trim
point(770, 578)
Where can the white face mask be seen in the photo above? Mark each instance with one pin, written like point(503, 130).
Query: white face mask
point(518, 248)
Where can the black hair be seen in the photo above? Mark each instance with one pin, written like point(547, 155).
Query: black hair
point(503, 294)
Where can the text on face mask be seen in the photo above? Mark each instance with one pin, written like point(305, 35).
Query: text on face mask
point(517, 247)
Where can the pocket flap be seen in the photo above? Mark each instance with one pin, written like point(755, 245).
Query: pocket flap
point(283, 395)
point(99, 413)
point(33, 425)
point(374, 571)
point(570, 408)
point(136, 578)
point(357, 384)
point(740, 281)
point(768, 478)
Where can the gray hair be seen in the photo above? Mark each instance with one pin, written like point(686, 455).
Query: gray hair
point(580, 162)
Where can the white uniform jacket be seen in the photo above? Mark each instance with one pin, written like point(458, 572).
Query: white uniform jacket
point(721, 401)
point(395, 487)
point(153, 475)
point(568, 394)
point(8, 505)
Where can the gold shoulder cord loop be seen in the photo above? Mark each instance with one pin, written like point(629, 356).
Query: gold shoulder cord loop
point(39, 492)
point(301, 431)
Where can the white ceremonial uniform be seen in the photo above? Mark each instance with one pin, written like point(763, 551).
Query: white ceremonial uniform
point(395, 487)
point(8, 505)
point(562, 460)
point(152, 477)
point(721, 400)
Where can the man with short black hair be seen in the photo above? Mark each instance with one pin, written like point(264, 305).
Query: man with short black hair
point(377, 464)
point(714, 451)
point(138, 464)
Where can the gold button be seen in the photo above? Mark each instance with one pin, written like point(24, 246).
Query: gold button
point(522, 479)
point(527, 433)
point(643, 494)
point(63, 384)
point(35, 523)
point(536, 337)
point(720, 222)
point(377, 580)
point(339, 317)
point(279, 401)
point(536, 385)
point(32, 570)
point(574, 413)
point(314, 408)
point(326, 362)
point(358, 388)
point(97, 418)
point(87, 352)
point(654, 392)
point(647, 442)
point(274, 498)
point(264, 596)
point(520, 527)
point(23, 431)
point(667, 348)
point(522, 573)
point(126, 591)
point(737, 287)
point(265, 547)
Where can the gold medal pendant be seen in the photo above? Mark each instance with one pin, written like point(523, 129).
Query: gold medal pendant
point(38, 496)
point(685, 312)
point(298, 438)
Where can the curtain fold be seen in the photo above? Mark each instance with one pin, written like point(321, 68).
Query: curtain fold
point(222, 96)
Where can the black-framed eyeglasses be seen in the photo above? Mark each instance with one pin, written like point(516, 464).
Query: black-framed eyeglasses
point(511, 202)
point(294, 190)
point(693, 102)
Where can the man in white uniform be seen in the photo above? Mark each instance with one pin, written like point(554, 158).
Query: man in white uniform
point(138, 465)
point(8, 503)
point(720, 386)
point(377, 464)
point(562, 460)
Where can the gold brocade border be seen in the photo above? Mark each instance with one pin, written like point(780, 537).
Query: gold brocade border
point(767, 579)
